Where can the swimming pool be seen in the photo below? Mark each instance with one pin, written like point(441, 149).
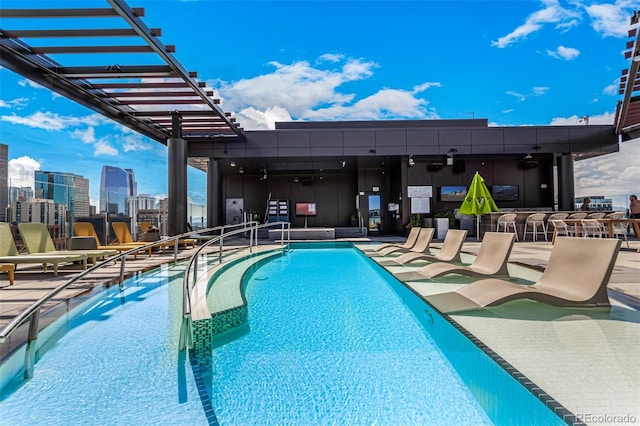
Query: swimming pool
point(344, 344)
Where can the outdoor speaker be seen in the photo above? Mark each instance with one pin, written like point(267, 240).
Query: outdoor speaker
point(459, 166)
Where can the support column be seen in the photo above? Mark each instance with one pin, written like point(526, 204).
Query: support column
point(566, 185)
point(213, 194)
point(177, 185)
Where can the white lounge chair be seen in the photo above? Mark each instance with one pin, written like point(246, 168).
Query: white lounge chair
point(577, 274)
point(492, 260)
point(449, 251)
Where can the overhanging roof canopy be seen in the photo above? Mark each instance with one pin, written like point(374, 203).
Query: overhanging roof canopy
point(627, 121)
point(153, 95)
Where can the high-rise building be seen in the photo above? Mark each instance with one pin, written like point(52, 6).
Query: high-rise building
point(137, 203)
point(82, 196)
point(116, 185)
point(4, 180)
point(24, 193)
point(39, 210)
point(65, 188)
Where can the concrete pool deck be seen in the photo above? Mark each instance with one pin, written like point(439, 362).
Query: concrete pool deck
point(586, 359)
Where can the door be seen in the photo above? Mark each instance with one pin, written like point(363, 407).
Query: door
point(375, 213)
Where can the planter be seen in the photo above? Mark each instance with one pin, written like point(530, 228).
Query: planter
point(442, 227)
point(427, 222)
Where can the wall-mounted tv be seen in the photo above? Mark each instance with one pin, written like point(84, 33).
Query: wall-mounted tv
point(505, 192)
point(305, 209)
point(453, 193)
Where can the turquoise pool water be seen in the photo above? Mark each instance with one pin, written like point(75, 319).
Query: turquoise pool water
point(331, 339)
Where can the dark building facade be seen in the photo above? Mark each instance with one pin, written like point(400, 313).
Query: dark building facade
point(344, 167)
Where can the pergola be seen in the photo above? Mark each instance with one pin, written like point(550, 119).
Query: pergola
point(118, 67)
point(627, 121)
point(155, 95)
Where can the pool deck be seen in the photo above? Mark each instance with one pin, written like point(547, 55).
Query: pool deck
point(586, 359)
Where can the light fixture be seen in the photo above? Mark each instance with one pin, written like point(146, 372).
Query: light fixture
point(241, 170)
point(233, 164)
point(411, 161)
point(344, 163)
point(372, 151)
point(528, 157)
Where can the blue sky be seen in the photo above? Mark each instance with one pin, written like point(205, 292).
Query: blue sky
point(512, 62)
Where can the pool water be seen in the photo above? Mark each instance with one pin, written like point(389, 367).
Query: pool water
point(334, 339)
point(331, 339)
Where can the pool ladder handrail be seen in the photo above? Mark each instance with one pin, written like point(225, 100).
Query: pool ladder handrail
point(186, 328)
point(32, 313)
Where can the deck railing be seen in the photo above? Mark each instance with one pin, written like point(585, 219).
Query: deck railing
point(32, 313)
point(189, 279)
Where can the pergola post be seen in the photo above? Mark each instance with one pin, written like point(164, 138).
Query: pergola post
point(177, 178)
point(213, 193)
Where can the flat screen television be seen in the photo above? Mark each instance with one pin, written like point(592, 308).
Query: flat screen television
point(505, 192)
point(305, 209)
point(453, 193)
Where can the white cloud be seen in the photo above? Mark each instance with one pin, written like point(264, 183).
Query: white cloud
point(519, 96)
point(51, 121)
point(566, 53)
point(102, 147)
point(610, 175)
point(552, 13)
point(299, 91)
point(296, 87)
point(26, 82)
point(540, 90)
point(330, 57)
point(22, 171)
point(17, 103)
point(424, 86)
point(251, 118)
point(135, 142)
point(612, 89)
point(605, 118)
point(86, 136)
point(611, 19)
point(385, 104)
point(507, 111)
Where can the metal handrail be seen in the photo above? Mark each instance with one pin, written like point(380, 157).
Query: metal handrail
point(32, 313)
point(186, 329)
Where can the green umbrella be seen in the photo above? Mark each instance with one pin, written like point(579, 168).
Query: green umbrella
point(478, 201)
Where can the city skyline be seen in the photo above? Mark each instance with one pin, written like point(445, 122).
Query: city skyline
point(514, 63)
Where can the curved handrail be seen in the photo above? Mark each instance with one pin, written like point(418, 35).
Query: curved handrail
point(33, 310)
point(186, 333)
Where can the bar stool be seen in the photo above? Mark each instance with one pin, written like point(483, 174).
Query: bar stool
point(535, 221)
point(618, 228)
point(593, 228)
point(505, 221)
point(597, 215)
point(555, 216)
point(9, 268)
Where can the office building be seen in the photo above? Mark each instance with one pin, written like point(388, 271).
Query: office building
point(116, 185)
point(68, 189)
point(24, 193)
